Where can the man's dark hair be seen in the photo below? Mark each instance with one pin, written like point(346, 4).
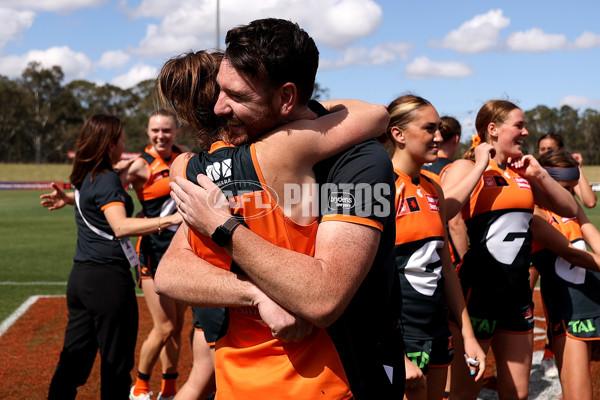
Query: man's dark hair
point(277, 51)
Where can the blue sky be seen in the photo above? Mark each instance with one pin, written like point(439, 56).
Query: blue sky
point(457, 54)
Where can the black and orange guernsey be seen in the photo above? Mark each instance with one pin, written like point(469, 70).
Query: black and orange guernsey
point(344, 361)
point(495, 270)
point(156, 192)
point(419, 238)
point(155, 199)
point(570, 293)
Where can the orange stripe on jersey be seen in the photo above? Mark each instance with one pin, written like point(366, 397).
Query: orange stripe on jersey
point(113, 203)
point(218, 145)
point(353, 219)
point(138, 245)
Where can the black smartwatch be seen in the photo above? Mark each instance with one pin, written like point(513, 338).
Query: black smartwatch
point(222, 235)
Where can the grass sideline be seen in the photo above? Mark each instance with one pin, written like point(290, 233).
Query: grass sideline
point(60, 172)
point(38, 245)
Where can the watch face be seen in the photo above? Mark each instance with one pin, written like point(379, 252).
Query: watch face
point(221, 236)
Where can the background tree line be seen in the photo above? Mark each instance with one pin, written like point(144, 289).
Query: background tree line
point(40, 117)
point(580, 131)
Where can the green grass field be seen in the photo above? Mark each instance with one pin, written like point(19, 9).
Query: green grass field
point(38, 245)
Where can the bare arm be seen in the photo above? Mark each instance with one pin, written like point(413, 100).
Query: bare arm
point(136, 174)
point(546, 191)
point(317, 288)
point(552, 239)
point(583, 189)
point(458, 233)
point(459, 184)
point(589, 231)
point(122, 169)
point(453, 177)
point(185, 277)
point(456, 303)
point(124, 226)
point(351, 122)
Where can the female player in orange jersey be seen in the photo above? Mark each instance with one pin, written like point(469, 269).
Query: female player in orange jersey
point(494, 273)
point(430, 286)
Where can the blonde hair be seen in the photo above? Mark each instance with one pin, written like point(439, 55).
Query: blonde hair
point(402, 112)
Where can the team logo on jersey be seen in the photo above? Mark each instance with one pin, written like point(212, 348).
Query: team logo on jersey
point(219, 170)
point(433, 202)
point(409, 205)
point(160, 175)
point(522, 183)
point(494, 181)
point(507, 235)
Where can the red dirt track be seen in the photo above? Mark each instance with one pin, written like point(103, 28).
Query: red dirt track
point(30, 348)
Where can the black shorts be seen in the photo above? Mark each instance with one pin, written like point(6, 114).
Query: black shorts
point(584, 329)
point(434, 353)
point(210, 321)
point(148, 265)
point(143, 272)
point(486, 323)
point(150, 253)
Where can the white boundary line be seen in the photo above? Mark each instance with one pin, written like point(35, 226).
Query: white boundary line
point(7, 323)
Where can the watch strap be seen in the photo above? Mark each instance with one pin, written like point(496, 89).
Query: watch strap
point(222, 235)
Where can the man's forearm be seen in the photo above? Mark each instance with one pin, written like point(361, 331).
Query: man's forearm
point(317, 288)
point(185, 277)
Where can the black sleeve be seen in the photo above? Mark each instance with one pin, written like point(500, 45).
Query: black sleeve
point(358, 187)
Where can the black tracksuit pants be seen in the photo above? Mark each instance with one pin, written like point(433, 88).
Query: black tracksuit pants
point(103, 315)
